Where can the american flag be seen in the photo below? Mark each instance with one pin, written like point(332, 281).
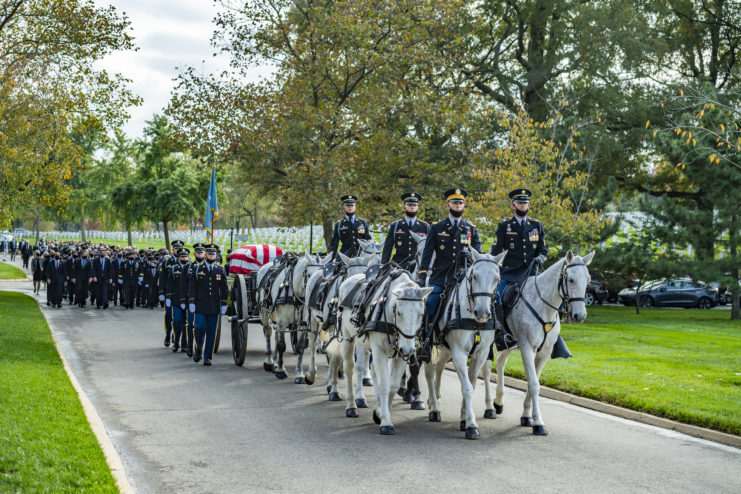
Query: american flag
point(248, 258)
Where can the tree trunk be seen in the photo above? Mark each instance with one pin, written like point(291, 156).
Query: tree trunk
point(167, 234)
point(37, 226)
point(327, 224)
point(735, 309)
point(638, 299)
point(128, 235)
point(83, 231)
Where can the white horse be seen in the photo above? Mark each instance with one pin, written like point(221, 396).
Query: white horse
point(287, 292)
point(566, 282)
point(470, 336)
point(322, 322)
point(398, 305)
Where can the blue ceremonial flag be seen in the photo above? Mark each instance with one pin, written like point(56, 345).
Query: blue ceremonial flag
point(212, 207)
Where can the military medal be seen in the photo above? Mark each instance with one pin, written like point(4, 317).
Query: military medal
point(398, 243)
point(218, 277)
point(361, 230)
point(442, 246)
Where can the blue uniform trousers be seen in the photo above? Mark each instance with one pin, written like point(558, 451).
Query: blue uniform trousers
point(179, 317)
point(187, 341)
point(432, 300)
point(168, 322)
point(205, 326)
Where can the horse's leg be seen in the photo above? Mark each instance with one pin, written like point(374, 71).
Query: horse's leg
point(489, 412)
point(280, 350)
point(398, 366)
point(439, 368)
point(267, 330)
point(362, 355)
point(311, 376)
point(301, 338)
point(434, 415)
point(538, 424)
point(501, 361)
point(413, 391)
point(368, 361)
point(533, 386)
point(381, 412)
point(335, 361)
point(459, 359)
point(348, 348)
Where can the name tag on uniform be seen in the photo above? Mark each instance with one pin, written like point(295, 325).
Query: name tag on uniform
point(343, 228)
point(512, 233)
point(443, 234)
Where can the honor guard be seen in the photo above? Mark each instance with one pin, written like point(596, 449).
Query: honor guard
point(348, 230)
point(523, 239)
point(399, 237)
point(176, 296)
point(130, 276)
point(176, 246)
point(200, 252)
point(208, 292)
point(448, 238)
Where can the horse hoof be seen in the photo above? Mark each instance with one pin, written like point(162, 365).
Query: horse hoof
point(340, 375)
point(308, 381)
point(387, 430)
point(402, 392)
point(462, 425)
point(329, 388)
point(490, 414)
point(281, 374)
point(498, 408)
point(376, 418)
point(300, 380)
point(526, 421)
point(367, 382)
point(408, 397)
point(267, 367)
point(539, 430)
point(418, 405)
point(334, 397)
point(434, 417)
point(351, 413)
point(472, 433)
point(361, 403)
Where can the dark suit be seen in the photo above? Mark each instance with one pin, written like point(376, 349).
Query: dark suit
point(128, 275)
point(83, 271)
point(522, 243)
point(56, 275)
point(207, 289)
point(151, 274)
point(103, 272)
point(348, 232)
point(400, 237)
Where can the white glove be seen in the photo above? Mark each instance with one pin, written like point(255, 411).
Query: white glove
point(168, 302)
point(73, 280)
point(192, 307)
point(182, 306)
point(223, 310)
point(162, 298)
point(120, 282)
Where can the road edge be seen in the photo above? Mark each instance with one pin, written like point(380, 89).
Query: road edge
point(96, 424)
point(624, 413)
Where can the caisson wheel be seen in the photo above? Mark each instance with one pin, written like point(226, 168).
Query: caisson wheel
point(239, 331)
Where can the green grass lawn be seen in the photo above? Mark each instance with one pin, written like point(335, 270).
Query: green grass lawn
point(10, 272)
point(682, 364)
point(46, 444)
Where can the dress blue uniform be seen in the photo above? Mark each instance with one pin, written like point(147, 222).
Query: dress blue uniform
point(348, 231)
point(164, 265)
point(189, 326)
point(176, 296)
point(207, 294)
point(399, 236)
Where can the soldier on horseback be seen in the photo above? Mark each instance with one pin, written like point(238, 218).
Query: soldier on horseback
point(448, 239)
point(401, 231)
point(348, 230)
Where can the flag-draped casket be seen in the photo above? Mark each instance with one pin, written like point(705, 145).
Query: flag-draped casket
point(248, 258)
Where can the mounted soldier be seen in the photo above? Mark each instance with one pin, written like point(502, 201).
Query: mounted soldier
point(447, 240)
point(400, 233)
point(348, 230)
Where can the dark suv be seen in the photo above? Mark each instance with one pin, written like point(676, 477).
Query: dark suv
point(597, 291)
point(672, 293)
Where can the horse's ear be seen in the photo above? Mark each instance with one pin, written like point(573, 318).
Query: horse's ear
point(498, 258)
point(588, 258)
point(326, 260)
point(424, 292)
point(344, 258)
point(363, 243)
point(417, 239)
point(475, 254)
point(569, 256)
point(307, 255)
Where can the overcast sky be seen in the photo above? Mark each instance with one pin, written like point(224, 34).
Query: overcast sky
point(170, 34)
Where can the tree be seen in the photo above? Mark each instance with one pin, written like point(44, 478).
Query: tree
point(49, 86)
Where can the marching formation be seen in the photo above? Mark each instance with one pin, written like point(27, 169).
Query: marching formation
point(429, 295)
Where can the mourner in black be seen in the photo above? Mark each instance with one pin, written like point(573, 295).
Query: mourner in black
point(207, 293)
point(82, 276)
point(176, 297)
point(103, 277)
point(151, 274)
point(400, 233)
point(56, 278)
point(348, 230)
point(448, 239)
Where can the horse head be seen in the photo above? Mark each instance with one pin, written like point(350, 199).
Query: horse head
point(356, 265)
point(408, 308)
point(573, 282)
point(482, 279)
point(369, 247)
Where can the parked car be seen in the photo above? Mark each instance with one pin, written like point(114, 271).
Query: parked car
point(597, 291)
point(671, 293)
point(724, 296)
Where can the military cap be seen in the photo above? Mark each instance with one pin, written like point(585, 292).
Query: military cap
point(455, 194)
point(130, 253)
point(141, 251)
point(184, 252)
point(199, 247)
point(349, 199)
point(157, 253)
point(520, 195)
point(212, 249)
point(177, 243)
point(411, 197)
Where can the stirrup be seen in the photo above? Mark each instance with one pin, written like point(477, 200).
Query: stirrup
point(504, 340)
point(424, 352)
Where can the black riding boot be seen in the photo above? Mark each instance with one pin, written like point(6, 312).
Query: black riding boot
point(503, 339)
point(424, 350)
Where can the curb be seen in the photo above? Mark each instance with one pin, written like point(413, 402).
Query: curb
point(96, 424)
point(624, 413)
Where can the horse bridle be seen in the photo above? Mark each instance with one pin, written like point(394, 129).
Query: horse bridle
point(398, 332)
point(563, 289)
point(469, 284)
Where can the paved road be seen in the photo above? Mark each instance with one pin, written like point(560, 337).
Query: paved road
point(182, 427)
